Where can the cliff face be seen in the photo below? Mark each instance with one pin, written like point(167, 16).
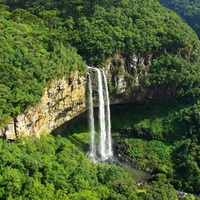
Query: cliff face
point(62, 101)
point(125, 81)
point(124, 77)
point(66, 97)
point(123, 73)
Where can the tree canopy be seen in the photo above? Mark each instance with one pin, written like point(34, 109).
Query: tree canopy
point(53, 168)
point(44, 40)
point(189, 10)
point(31, 55)
point(41, 41)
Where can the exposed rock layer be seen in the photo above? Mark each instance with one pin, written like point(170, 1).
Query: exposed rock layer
point(125, 76)
point(64, 100)
point(66, 97)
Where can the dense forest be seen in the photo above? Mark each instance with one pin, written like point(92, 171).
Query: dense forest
point(189, 10)
point(31, 56)
point(38, 44)
point(53, 168)
point(43, 40)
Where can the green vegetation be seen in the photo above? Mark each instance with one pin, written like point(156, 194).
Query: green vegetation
point(160, 190)
point(39, 41)
point(150, 155)
point(44, 40)
point(160, 139)
point(99, 29)
point(163, 140)
point(178, 75)
point(31, 55)
point(53, 168)
point(189, 10)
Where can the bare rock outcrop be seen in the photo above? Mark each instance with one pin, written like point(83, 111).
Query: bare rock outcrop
point(66, 97)
point(62, 101)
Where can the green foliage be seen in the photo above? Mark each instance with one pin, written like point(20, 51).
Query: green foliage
point(168, 144)
point(38, 41)
point(129, 79)
point(189, 10)
point(186, 158)
point(190, 120)
point(178, 75)
point(53, 168)
point(31, 55)
point(35, 40)
point(150, 155)
point(100, 28)
point(189, 197)
point(159, 121)
point(160, 191)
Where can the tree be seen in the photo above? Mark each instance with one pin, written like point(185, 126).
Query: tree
point(161, 191)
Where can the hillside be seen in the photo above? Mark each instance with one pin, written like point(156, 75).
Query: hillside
point(31, 57)
point(36, 46)
point(189, 10)
point(42, 41)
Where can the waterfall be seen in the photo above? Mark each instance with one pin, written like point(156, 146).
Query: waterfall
point(108, 123)
point(102, 124)
point(92, 153)
point(105, 141)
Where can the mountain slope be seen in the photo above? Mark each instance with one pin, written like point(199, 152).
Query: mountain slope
point(31, 56)
point(44, 40)
point(36, 47)
point(189, 10)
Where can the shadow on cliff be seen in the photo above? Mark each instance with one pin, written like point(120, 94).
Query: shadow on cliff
point(146, 121)
point(76, 130)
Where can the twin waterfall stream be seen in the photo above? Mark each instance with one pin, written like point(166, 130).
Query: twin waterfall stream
point(101, 144)
point(101, 141)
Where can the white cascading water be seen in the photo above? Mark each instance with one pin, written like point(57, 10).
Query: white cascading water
point(108, 123)
point(102, 124)
point(105, 141)
point(92, 154)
